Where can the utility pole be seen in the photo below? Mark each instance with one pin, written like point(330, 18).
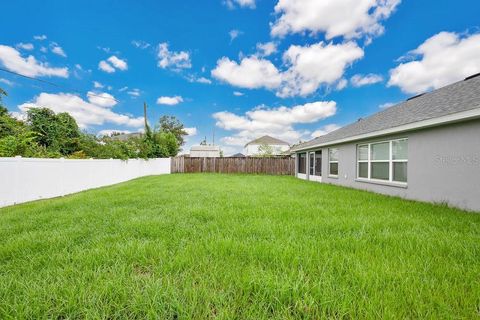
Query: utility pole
point(145, 114)
point(213, 142)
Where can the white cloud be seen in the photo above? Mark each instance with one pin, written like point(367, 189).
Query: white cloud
point(316, 65)
point(40, 37)
point(231, 4)
point(25, 46)
point(101, 99)
point(140, 44)
point(134, 93)
point(109, 132)
point(29, 66)
point(123, 89)
point(341, 84)
point(203, 80)
point(191, 131)
point(79, 71)
point(360, 80)
point(308, 68)
point(175, 60)
point(348, 18)
point(85, 113)
point(7, 82)
point(97, 85)
point(118, 63)
point(266, 49)
point(44, 49)
point(238, 93)
point(192, 78)
point(442, 59)
point(107, 50)
point(277, 122)
point(112, 64)
point(234, 34)
point(169, 101)
point(324, 130)
point(58, 50)
point(251, 73)
point(105, 66)
point(387, 105)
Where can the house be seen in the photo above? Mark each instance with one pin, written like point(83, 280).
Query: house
point(126, 136)
point(238, 155)
point(276, 146)
point(205, 151)
point(426, 148)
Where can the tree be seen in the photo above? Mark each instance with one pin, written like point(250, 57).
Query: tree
point(265, 150)
point(42, 121)
point(56, 132)
point(46, 134)
point(69, 133)
point(173, 125)
point(170, 143)
point(3, 110)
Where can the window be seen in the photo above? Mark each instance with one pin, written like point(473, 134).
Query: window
point(302, 163)
point(318, 163)
point(380, 161)
point(386, 161)
point(362, 157)
point(311, 162)
point(333, 162)
point(400, 160)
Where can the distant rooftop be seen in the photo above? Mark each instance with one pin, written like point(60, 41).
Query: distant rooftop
point(237, 155)
point(268, 140)
point(126, 136)
point(454, 98)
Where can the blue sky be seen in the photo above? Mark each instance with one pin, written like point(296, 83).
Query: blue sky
point(293, 69)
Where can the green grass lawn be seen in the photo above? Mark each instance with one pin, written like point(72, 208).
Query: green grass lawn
point(237, 246)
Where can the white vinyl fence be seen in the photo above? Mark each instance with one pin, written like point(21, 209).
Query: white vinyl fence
point(27, 179)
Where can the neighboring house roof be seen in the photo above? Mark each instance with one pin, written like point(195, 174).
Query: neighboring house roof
point(459, 101)
point(238, 155)
point(268, 140)
point(204, 148)
point(126, 136)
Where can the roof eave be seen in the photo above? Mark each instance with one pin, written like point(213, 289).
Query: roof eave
point(447, 119)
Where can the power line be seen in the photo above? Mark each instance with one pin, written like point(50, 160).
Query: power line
point(76, 92)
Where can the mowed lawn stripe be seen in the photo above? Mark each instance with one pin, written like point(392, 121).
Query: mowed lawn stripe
point(237, 246)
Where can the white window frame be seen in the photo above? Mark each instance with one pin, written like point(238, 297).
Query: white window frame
point(390, 161)
point(298, 163)
point(334, 161)
point(363, 161)
point(310, 153)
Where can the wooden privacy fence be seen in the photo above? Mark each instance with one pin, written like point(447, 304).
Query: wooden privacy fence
point(273, 166)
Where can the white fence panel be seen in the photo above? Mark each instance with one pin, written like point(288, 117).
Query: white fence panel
point(27, 179)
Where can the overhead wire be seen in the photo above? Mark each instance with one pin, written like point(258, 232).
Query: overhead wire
point(75, 92)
